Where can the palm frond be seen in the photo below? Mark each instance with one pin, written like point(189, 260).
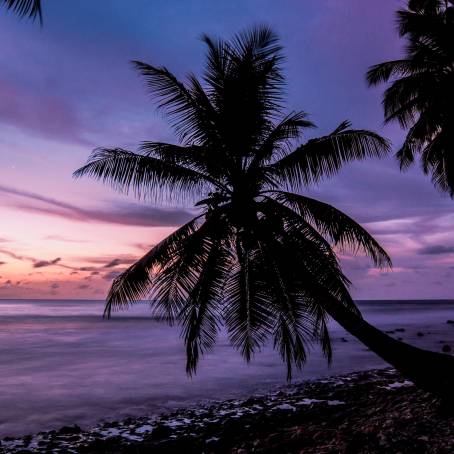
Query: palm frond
point(406, 155)
point(148, 177)
point(246, 314)
point(296, 288)
point(407, 96)
point(383, 72)
point(200, 315)
point(336, 225)
point(202, 159)
point(245, 86)
point(318, 270)
point(293, 329)
point(325, 156)
point(437, 159)
point(25, 8)
point(136, 282)
point(280, 136)
point(192, 121)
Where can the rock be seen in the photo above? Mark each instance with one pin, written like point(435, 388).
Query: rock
point(343, 339)
point(450, 322)
point(400, 330)
point(419, 334)
point(400, 339)
point(72, 438)
point(446, 348)
point(160, 432)
point(27, 440)
point(70, 430)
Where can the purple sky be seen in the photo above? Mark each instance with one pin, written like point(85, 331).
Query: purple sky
point(68, 87)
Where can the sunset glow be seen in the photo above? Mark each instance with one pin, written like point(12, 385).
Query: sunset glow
point(68, 87)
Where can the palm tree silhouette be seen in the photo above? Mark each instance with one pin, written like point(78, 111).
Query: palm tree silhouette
point(420, 95)
point(257, 258)
point(24, 8)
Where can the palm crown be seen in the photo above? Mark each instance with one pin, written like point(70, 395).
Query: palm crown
point(420, 95)
point(257, 258)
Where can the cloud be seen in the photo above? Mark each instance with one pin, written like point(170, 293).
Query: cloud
point(14, 255)
point(100, 263)
point(436, 249)
point(37, 263)
point(44, 263)
point(111, 275)
point(124, 214)
point(64, 239)
point(2, 263)
point(113, 263)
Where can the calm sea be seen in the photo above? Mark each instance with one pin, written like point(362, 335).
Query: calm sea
point(61, 363)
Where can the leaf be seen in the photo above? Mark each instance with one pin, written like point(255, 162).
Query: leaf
point(325, 156)
point(30, 8)
point(335, 224)
point(136, 282)
point(148, 177)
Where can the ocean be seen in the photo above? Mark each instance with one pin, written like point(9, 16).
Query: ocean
point(61, 363)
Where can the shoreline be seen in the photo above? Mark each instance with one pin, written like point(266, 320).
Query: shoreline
point(366, 411)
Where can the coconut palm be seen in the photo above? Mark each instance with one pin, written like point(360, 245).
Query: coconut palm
point(24, 8)
point(258, 257)
point(420, 94)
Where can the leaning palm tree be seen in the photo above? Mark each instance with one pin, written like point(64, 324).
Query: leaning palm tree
point(257, 259)
point(420, 95)
point(24, 8)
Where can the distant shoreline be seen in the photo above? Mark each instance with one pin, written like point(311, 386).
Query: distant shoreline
point(369, 411)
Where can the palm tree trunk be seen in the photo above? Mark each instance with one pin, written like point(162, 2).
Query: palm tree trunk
point(431, 371)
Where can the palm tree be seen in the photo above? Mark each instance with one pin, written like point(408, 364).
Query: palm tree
point(420, 94)
point(24, 8)
point(258, 258)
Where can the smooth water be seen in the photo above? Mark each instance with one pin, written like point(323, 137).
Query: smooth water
point(61, 363)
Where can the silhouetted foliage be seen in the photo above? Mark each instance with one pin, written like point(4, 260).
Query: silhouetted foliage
point(257, 258)
point(420, 95)
point(24, 8)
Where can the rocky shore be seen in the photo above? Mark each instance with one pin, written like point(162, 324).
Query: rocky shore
point(363, 412)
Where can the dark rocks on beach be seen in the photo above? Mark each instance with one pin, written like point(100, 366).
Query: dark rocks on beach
point(69, 430)
point(161, 431)
point(400, 330)
point(343, 339)
point(365, 412)
point(419, 334)
point(450, 322)
point(446, 348)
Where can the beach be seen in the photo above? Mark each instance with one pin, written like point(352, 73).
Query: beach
point(63, 365)
point(369, 411)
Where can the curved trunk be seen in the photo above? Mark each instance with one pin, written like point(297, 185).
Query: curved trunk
point(431, 371)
